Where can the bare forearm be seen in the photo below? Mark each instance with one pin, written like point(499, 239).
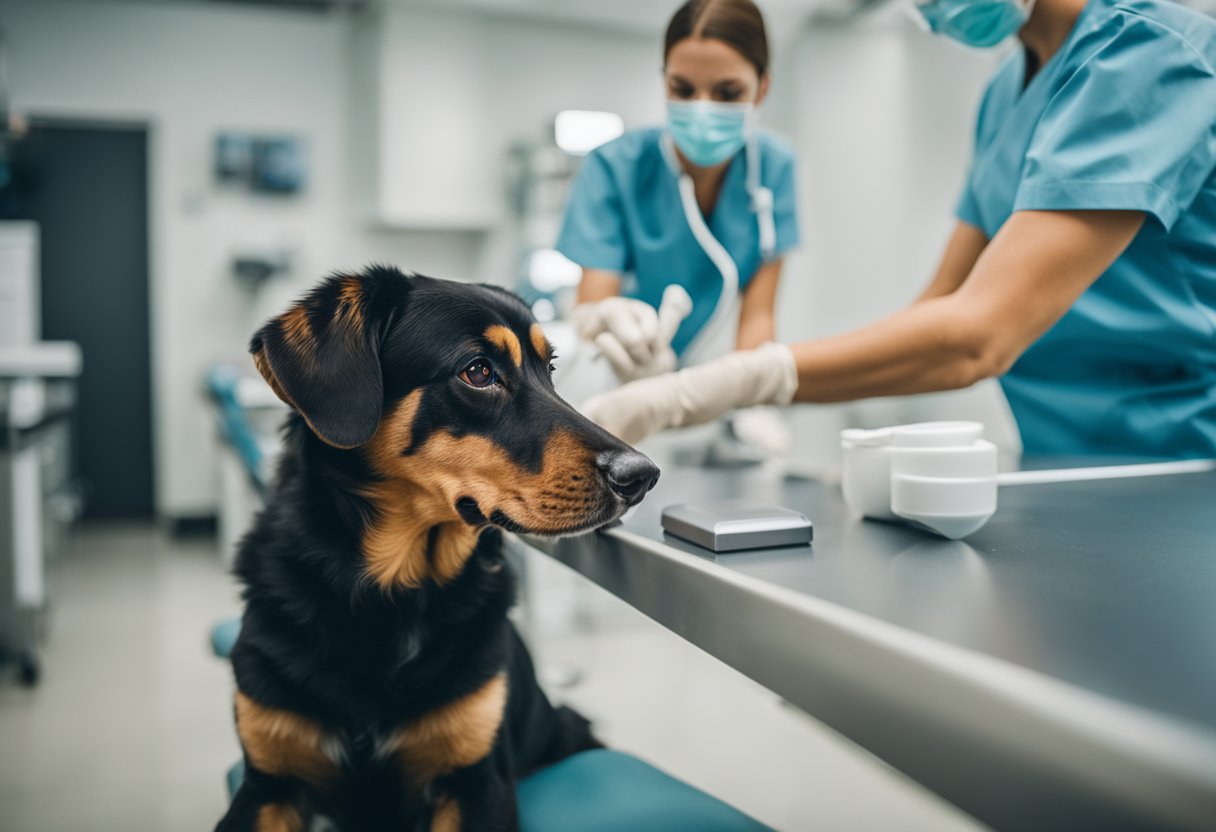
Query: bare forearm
point(962, 252)
point(1022, 283)
point(927, 347)
point(756, 323)
point(598, 284)
point(754, 331)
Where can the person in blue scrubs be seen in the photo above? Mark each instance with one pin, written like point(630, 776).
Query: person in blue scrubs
point(1082, 270)
point(706, 203)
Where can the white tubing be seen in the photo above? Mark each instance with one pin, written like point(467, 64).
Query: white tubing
point(727, 305)
point(762, 203)
point(1107, 472)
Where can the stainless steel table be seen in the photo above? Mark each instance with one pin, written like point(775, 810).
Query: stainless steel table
point(1057, 670)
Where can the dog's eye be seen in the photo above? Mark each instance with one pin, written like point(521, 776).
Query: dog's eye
point(479, 374)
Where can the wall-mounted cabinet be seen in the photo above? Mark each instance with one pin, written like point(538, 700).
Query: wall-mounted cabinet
point(419, 96)
point(440, 97)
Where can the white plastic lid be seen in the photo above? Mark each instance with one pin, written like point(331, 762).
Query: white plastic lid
point(858, 438)
point(977, 459)
point(937, 434)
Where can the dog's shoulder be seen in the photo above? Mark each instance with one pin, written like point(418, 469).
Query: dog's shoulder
point(319, 638)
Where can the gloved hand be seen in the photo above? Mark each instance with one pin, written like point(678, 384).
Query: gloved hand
point(634, 337)
point(762, 428)
point(765, 375)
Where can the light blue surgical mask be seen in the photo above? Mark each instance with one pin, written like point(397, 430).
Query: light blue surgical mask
point(708, 132)
point(978, 23)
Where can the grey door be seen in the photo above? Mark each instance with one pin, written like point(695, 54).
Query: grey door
point(87, 188)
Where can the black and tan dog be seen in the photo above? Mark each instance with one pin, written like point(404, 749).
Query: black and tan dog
point(380, 684)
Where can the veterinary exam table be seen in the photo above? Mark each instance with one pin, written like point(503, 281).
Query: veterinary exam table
point(1056, 670)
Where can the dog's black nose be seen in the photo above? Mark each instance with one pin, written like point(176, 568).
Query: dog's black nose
point(630, 474)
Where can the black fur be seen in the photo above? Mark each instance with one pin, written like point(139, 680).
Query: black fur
point(321, 640)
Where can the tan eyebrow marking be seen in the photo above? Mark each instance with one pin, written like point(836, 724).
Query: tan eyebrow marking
point(506, 340)
point(350, 306)
point(297, 329)
point(539, 342)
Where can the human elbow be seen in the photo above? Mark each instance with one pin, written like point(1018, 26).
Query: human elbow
point(978, 352)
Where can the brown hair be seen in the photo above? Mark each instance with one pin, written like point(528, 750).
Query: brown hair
point(737, 23)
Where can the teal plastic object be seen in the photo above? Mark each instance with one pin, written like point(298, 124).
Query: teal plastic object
point(223, 636)
point(607, 791)
point(235, 776)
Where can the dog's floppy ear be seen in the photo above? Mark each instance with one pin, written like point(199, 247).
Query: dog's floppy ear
point(322, 356)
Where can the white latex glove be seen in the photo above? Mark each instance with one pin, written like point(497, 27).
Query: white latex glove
point(632, 335)
point(765, 375)
point(762, 428)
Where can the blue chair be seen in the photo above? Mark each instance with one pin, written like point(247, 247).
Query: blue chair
point(223, 637)
point(594, 791)
point(609, 791)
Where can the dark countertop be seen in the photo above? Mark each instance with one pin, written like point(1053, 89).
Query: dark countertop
point(1055, 670)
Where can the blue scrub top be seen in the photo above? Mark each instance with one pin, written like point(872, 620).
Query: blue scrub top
point(1122, 117)
point(625, 215)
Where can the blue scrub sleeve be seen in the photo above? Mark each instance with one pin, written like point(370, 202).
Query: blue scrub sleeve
point(593, 230)
point(785, 206)
point(1132, 129)
point(967, 208)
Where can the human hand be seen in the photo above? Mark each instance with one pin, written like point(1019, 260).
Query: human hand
point(632, 335)
point(765, 375)
point(763, 429)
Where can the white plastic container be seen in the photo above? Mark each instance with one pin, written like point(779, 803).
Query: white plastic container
point(866, 477)
point(938, 475)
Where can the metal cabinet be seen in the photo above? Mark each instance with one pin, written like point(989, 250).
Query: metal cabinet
point(19, 289)
point(37, 505)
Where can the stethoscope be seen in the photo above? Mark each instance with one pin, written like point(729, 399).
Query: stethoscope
point(726, 307)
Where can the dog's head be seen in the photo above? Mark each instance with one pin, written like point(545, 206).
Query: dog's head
point(444, 390)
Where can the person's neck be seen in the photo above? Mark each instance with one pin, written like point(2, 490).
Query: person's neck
point(706, 182)
point(1049, 25)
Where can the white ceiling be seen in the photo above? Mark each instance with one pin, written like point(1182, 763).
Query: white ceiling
point(642, 15)
point(648, 16)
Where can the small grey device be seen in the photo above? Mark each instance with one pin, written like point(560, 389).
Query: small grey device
point(731, 525)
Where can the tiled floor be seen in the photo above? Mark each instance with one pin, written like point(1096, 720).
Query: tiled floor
point(130, 729)
point(131, 726)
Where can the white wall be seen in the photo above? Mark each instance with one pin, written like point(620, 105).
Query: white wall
point(191, 69)
point(883, 120)
point(884, 125)
point(447, 94)
point(880, 117)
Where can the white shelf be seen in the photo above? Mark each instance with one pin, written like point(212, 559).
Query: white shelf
point(44, 359)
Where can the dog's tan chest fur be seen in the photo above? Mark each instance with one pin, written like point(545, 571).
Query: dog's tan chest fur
point(286, 744)
point(453, 736)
